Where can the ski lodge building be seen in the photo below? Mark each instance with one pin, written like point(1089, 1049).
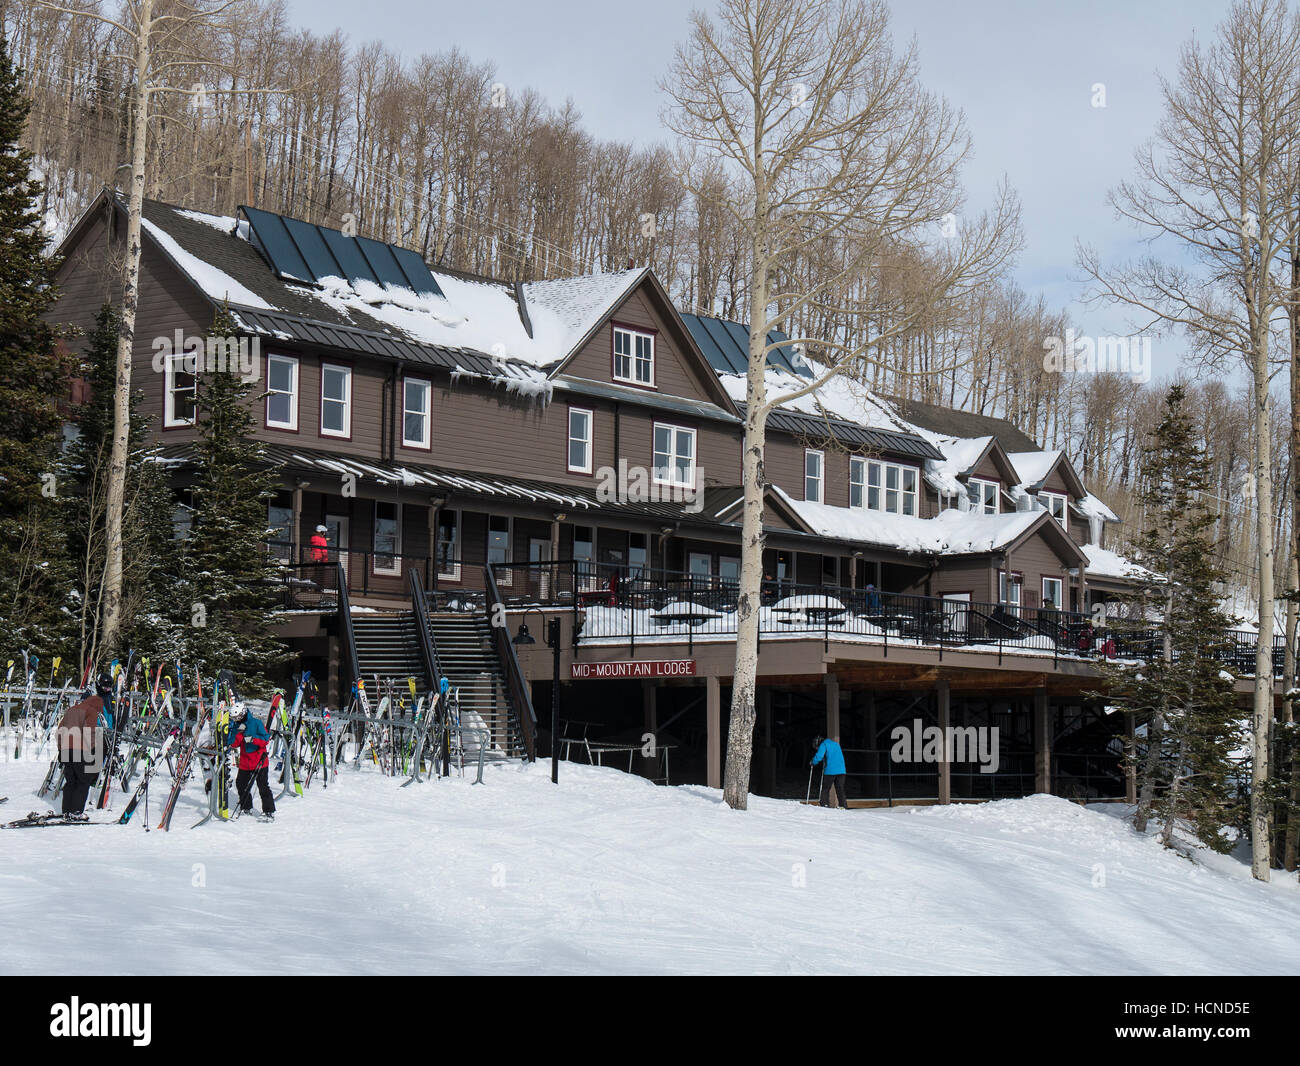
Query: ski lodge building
point(571, 450)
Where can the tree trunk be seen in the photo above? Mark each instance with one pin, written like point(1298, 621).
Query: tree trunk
point(112, 617)
point(1262, 713)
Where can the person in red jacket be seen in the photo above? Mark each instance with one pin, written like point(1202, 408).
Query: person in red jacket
point(249, 735)
point(320, 545)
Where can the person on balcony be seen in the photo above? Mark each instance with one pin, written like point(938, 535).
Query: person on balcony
point(873, 599)
point(833, 773)
point(320, 546)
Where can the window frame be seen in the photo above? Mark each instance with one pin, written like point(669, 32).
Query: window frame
point(454, 573)
point(859, 463)
point(170, 421)
point(1060, 586)
point(1007, 580)
point(819, 480)
point(346, 434)
point(986, 483)
point(396, 553)
point(673, 454)
point(426, 443)
point(590, 441)
point(883, 489)
point(633, 332)
point(294, 394)
point(1047, 498)
point(510, 540)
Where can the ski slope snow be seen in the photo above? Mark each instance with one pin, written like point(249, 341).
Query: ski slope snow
point(607, 873)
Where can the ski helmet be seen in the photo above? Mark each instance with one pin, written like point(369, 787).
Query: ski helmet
point(321, 529)
point(104, 687)
point(238, 711)
point(817, 740)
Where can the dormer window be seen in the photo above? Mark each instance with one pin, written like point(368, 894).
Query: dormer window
point(985, 496)
point(634, 357)
point(1055, 504)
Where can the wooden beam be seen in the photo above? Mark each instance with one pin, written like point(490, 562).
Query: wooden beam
point(713, 713)
point(945, 720)
point(1042, 742)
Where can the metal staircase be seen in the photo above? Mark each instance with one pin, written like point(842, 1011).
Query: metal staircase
point(468, 659)
point(388, 647)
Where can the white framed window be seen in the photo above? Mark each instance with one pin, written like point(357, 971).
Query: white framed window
point(1056, 504)
point(634, 356)
point(985, 496)
point(335, 400)
point(891, 487)
point(415, 413)
point(813, 475)
point(281, 392)
point(447, 549)
point(180, 391)
point(1053, 593)
point(1009, 585)
point(580, 438)
point(674, 455)
point(857, 482)
point(388, 538)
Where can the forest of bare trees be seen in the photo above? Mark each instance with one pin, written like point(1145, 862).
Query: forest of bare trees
point(442, 153)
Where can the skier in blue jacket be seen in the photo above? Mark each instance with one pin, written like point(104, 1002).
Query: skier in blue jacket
point(833, 773)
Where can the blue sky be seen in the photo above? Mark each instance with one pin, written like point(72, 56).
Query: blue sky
point(1022, 71)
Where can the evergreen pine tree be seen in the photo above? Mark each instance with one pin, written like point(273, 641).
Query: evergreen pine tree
point(233, 579)
point(150, 552)
point(1181, 693)
point(34, 371)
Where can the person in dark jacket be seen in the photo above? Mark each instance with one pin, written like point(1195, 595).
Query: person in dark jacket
point(81, 744)
point(833, 773)
point(249, 735)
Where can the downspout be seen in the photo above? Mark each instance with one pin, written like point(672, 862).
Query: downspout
point(392, 415)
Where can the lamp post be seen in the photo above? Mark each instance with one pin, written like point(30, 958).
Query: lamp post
point(523, 637)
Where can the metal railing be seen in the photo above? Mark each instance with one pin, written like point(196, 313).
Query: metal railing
point(302, 565)
point(520, 691)
point(345, 627)
point(428, 649)
point(619, 604)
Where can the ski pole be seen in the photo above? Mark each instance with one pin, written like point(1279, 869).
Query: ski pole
point(808, 798)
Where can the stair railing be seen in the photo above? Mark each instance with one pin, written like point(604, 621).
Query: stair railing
point(520, 697)
point(345, 626)
point(428, 649)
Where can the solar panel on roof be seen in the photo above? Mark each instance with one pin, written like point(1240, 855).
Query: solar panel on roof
point(733, 359)
point(416, 271)
point(276, 244)
point(320, 260)
point(384, 263)
point(347, 254)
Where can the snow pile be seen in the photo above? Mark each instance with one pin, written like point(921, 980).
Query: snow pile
point(1033, 467)
point(606, 873)
point(1102, 562)
point(960, 456)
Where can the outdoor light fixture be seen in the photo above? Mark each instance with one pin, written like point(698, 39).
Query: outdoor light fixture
point(302, 482)
point(438, 500)
point(561, 517)
point(523, 636)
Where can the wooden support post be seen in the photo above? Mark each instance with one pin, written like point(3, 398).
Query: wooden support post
point(833, 707)
point(945, 721)
point(713, 711)
point(650, 708)
point(1042, 742)
point(295, 531)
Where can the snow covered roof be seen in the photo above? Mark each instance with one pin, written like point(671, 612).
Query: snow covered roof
point(951, 532)
point(1033, 467)
point(1102, 562)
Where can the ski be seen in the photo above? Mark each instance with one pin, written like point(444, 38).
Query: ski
point(36, 820)
point(152, 768)
point(183, 764)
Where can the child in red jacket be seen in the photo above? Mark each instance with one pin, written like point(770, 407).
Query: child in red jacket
point(249, 735)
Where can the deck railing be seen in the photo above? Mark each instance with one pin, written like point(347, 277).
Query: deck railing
point(624, 605)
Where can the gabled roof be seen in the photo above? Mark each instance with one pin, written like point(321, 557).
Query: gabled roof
point(953, 423)
point(1035, 467)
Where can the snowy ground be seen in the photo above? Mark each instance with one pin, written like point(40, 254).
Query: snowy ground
point(609, 874)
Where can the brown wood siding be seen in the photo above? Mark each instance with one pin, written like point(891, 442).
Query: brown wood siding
point(676, 370)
